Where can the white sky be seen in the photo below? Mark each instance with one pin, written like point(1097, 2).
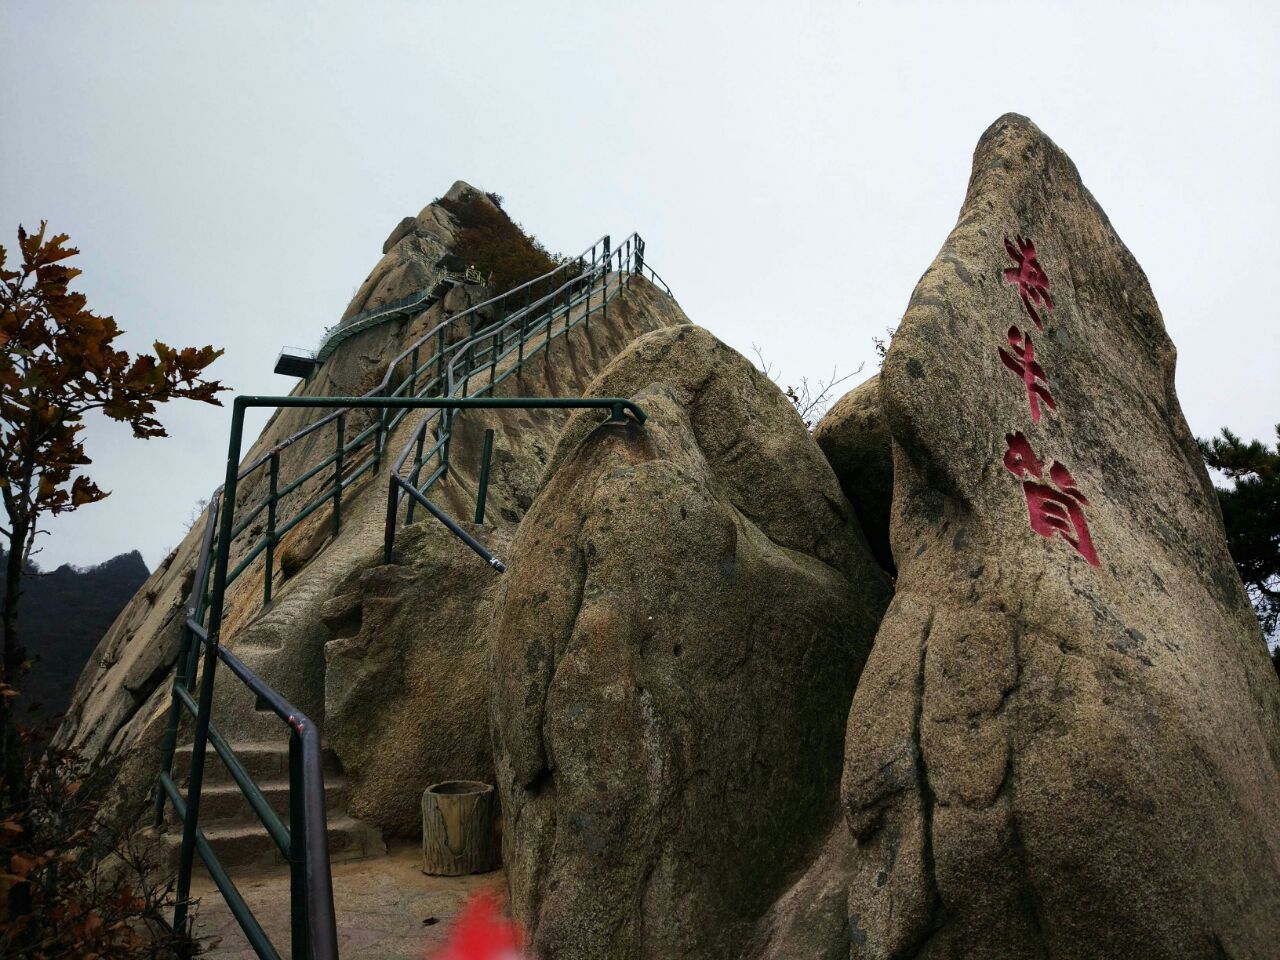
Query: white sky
point(230, 171)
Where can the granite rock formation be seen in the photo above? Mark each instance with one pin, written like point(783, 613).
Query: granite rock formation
point(1066, 741)
point(674, 652)
point(717, 727)
point(307, 643)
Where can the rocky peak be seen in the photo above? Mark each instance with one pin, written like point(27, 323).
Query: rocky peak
point(1066, 739)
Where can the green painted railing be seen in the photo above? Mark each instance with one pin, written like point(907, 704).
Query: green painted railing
point(436, 373)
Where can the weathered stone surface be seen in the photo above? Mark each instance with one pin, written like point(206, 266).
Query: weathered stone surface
point(1047, 757)
point(288, 644)
point(686, 612)
point(810, 920)
point(406, 678)
point(398, 233)
point(135, 655)
point(121, 701)
point(412, 254)
point(853, 438)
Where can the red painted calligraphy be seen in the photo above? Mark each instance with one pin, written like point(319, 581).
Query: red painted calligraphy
point(1053, 508)
point(1023, 363)
point(1029, 277)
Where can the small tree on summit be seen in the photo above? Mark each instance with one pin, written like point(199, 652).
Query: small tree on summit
point(57, 363)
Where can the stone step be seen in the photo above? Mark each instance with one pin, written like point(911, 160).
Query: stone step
point(221, 802)
point(263, 761)
point(245, 845)
point(234, 830)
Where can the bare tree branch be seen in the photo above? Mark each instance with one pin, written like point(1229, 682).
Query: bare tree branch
point(811, 400)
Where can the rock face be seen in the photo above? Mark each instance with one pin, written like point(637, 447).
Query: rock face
point(406, 678)
point(855, 441)
point(344, 631)
point(688, 607)
point(1066, 741)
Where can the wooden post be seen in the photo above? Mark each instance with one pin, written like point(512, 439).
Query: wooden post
point(457, 828)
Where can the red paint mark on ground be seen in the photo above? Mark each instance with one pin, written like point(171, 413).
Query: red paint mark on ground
point(1029, 277)
point(481, 932)
point(1053, 509)
point(1023, 363)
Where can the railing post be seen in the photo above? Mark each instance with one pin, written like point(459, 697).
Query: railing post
point(300, 925)
point(417, 467)
point(193, 660)
point(200, 741)
point(524, 326)
point(337, 474)
point(413, 373)
point(604, 283)
point(440, 361)
point(273, 474)
point(569, 300)
point(495, 348)
point(446, 425)
point(393, 503)
point(184, 666)
point(470, 361)
point(551, 318)
point(591, 282)
point(483, 492)
point(639, 255)
point(169, 743)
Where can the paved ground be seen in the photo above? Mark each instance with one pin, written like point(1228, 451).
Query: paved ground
point(387, 909)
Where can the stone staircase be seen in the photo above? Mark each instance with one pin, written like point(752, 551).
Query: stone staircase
point(234, 831)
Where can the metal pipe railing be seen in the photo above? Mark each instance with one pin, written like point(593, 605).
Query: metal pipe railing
point(541, 302)
point(438, 332)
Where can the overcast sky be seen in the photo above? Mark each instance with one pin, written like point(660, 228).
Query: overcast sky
point(230, 171)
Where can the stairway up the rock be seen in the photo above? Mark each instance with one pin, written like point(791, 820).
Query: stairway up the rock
point(233, 829)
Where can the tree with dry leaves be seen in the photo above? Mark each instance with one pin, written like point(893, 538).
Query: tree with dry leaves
point(58, 363)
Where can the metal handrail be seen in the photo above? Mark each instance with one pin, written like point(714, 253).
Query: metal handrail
point(627, 256)
point(398, 306)
point(439, 334)
point(304, 842)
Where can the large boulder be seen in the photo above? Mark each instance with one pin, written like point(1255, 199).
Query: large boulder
point(1066, 742)
point(406, 673)
point(412, 256)
point(688, 607)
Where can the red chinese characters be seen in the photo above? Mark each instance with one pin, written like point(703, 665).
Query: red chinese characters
point(1053, 508)
point(1029, 277)
point(1023, 362)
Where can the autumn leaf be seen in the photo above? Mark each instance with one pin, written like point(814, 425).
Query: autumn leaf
point(59, 362)
point(21, 865)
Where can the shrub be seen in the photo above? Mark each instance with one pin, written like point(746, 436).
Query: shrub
point(76, 881)
point(495, 244)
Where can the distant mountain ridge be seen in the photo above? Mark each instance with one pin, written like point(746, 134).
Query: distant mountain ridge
point(62, 616)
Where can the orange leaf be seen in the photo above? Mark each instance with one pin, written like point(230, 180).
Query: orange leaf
point(22, 865)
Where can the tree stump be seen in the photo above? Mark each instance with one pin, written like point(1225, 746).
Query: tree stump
point(457, 828)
